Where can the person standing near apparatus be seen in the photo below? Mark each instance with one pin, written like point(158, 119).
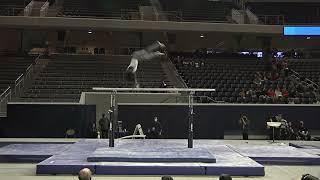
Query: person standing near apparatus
point(103, 124)
point(244, 123)
point(148, 53)
point(156, 129)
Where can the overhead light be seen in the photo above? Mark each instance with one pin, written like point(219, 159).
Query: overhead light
point(202, 36)
point(90, 31)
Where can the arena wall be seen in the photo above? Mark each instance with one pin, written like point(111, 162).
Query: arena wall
point(47, 120)
point(212, 120)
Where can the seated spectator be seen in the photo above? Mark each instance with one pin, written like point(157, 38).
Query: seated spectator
point(225, 177)
point(290, 131)
point(283, 127)
point(259, 92)
point(275, 76)
point(257, 78)
point(292, 91)
point(308, 177)
point(242, 93)
point(303, 132)
point(291, 101)
point(166, 178)
point(285, 92)
point(300, 88)
point(251, 93)
point(268, 76)
point(163, 84)
point(279, 65)
point(85, 174)
point(274, 65)
point(285, 67)
point(70, 133)
point(202, 63)
point(264, 77)
point(265, 90)
point(283, 100)
point(278, 93)
point(271, 93)
point(278, 118)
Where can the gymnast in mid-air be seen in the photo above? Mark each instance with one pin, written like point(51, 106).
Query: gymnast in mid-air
point(149, 53)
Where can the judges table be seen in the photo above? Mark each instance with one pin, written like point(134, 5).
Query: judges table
point(273, 125)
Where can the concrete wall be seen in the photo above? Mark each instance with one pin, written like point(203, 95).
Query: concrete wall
point(47, 120)
point(10, 39)
point(134, 25)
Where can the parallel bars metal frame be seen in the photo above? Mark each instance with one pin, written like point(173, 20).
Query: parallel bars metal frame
point(114, 106)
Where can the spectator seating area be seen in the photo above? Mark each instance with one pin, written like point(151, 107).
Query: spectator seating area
point(293, 12)
point(307, 69)
point(234, 81)
point(12, 7)
point(11, 68)
point(191, 10)
point(65, 77)
point(202, 10)
point(101, 8)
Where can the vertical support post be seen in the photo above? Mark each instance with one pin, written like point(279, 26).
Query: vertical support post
point(273, 134)
point(190, 129)
point(113, 117)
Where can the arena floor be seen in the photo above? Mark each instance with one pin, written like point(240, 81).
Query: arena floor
point(28, 171)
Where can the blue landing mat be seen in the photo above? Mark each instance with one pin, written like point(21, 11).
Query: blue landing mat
point(311, 147)
point(231, 162)
point(312, 151)
point(151, 154)
point(75, 158)
point(277, 154)
point(306, 144)
point(30, 152)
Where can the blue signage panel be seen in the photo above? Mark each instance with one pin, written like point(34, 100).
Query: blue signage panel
point(301, 31)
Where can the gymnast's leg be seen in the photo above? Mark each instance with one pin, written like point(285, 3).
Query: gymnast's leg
point(131, 76)
point(153, 55)
point(155, 47)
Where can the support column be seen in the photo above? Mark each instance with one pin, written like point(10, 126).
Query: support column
point(113, 112)
point(266, 47)
point(190, 129)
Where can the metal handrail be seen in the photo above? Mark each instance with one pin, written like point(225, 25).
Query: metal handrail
point(28, 9)
point(37, 59)
point(280, 18)
point(44, 9)
point(177, 15)
point(4, 92)
point(8, 94)
point(307, 80)
point(11, 11)
point(18, 83)
point(311, 82)
point(18, 79)
point(29, 67)
point(23, 76)
point(4, 100)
